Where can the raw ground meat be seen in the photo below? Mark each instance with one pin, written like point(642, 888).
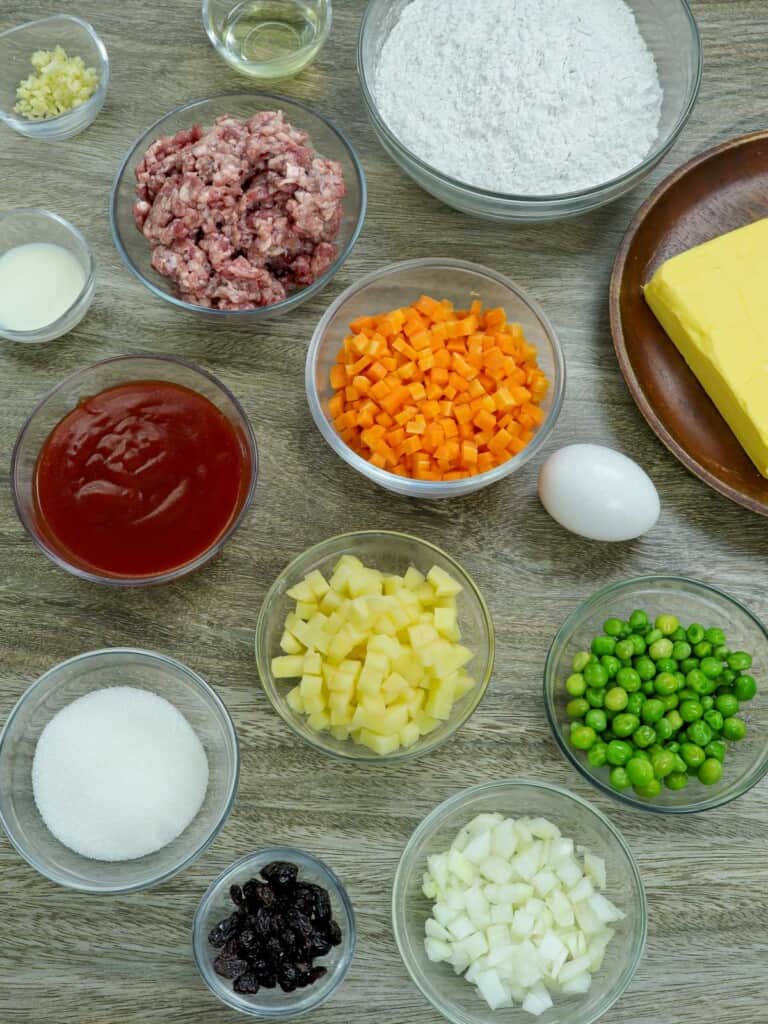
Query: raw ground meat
point(240, 214)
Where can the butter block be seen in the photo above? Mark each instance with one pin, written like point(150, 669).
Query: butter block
point(713, 303)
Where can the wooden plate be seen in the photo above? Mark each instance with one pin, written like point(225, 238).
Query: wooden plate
point(723, 189)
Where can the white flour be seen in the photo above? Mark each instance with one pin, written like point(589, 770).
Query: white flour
point(531, 97)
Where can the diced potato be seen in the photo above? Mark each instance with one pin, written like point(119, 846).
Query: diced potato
point(392, 584)
point(291, 666)
point(289, 644)
point(409, 735)
point(319, 721)
point(317, 584)
point(339, 732)
point(302, 592)
point(311, 686)
point(421, 635)
point(295, 701)
point(425, 723)
point(447, 624)
point(413, 579)
point(306, 609)
point(379, 744)
point(313, 664)
point(393, 686)
point(444, 584)
point(331, 602)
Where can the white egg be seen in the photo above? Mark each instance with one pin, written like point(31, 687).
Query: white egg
point(598, 493)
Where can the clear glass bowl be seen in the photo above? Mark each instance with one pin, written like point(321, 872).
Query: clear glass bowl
point(668, 27)
point(63, 684)
point(691, 601)
point(216, 905)
point(392, 553)
point(18, 44)
point(400, 284)
point(32, 224)
point(90, 381)
point(450, 994)
point(327, 140)
point(268, 39)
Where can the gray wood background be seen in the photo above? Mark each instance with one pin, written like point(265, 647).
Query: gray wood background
point(87, 960)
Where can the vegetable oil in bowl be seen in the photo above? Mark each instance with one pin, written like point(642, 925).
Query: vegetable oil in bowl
point(268, 38)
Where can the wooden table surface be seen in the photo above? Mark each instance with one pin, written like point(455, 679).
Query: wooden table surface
point(78, 959)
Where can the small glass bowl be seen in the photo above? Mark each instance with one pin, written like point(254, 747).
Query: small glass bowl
point(391, 553)
point(61, 685)
point(691, 601)
point(18, 44)
point(90, 381)
point(32, 224)
point(451, 995)
point(275, 47)
point(400, 284)
point(672, 35)
point(216, 905)
point(327, 140)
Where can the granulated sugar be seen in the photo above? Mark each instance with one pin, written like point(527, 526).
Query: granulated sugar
point(118, 774)
point(531, 97)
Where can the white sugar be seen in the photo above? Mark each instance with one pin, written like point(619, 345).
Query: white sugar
point(118, 774)
point(530, 97)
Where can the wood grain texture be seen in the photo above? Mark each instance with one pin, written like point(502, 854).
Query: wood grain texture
point(83, 960)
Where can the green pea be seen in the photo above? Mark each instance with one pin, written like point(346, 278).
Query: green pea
point(688, 665)
point(616, 699)
point(644, 736)
point(691, 710)
point(714, 720)
point(655, 748)
point(674, 746)
point(650, 791)
point(643, 755)
point(687, 694)
point(595, 697)
point(727, 705)
point(638, 643)
point(595, 675)
point(663, 764)
point(666, 665)
point(711, 771)
point(580, 661)
point(645, 668)
point(663, 729)
point(652, 711)
point(613, 627)
point(715, 636)
point(653, 635)
point(628, 679)
point(679, 635)
point(647, 688)
point(716, 749)
point(665, 684)
point(639, 771)
point(707, 702)
point(597, 754)
point(625, 725)
point(681, 650)
point(702, 649)
point(596, 720)
point(603, 645)
point(610, 664)
point(698, 733)
point(619, 778)
point(576, 708)
point(680, 765)
point(638, 620)
point(692, 754)
point(635, 702)
point(670, 701)
point(625, 649)
point(674, 719)
point(677, 780)
point(575, 685)
point(721, 652)
point(582, 737)
point(660, 649)
point(667, 624)
point(739, 661)
point(695, 633)
point(734, 729)
point(728, 677)
point(619, 752)
point(711, 667)
point(744, 688)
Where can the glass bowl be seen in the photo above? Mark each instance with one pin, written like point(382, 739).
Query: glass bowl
point(669, 29)
point(691, 601)
point(392, 553)
point(61, 685)
point(32, 224)
point(89, 381)
point(280, 42)
point(216, 905)
point(400, 284)
point(18, 44)
point(327, 140)
point(450, 994)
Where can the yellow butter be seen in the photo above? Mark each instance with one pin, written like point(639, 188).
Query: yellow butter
point(713, 303)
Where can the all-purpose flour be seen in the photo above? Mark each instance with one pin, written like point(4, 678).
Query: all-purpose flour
point(531, 97)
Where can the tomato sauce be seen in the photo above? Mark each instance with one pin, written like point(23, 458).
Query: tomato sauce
point(140, 479)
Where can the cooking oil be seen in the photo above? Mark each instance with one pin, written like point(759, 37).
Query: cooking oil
point(273, 38)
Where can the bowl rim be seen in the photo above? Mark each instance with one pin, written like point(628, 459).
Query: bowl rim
point(278, 702)
point(32, 337)
point(197, 681)
point(290, 301)
point(169, 575)
point(199, 938)
point(428, 488)
point(655, 155)
point(32, 128)
point(316, 45)
point(566, 629)
point(429, 824)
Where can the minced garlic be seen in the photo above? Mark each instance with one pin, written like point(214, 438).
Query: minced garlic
point(58, 85)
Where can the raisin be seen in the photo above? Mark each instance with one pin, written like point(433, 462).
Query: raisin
point(320, 945)
point(334, 934)
point(247, 984)
point(258, 894)
point(236, 895)
point(303, 970)
point(274, 950)
point(267, 979)
point(280, 874)
point(261, 922)
point(249, 941)
point(316, 974)
point(288, 977)
point(230, 967)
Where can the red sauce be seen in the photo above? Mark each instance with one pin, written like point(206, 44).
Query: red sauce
point(140, 479)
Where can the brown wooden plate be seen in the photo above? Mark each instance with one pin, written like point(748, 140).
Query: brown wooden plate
point(723, 189)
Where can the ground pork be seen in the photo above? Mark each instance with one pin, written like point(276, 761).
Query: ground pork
point(240, 214)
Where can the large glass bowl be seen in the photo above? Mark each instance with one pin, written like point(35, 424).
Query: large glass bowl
point(72, 679)
point(691, 601)
point(274, 1004)
point(450, 994)
point(391, 553)
point(401, 284)
point(327, 140)
point(669, 29)
point(90, 381)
